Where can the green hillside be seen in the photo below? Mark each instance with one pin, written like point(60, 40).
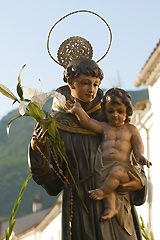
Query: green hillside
point(14, 168)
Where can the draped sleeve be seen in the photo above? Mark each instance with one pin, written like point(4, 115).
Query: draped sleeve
point(42, 170)
point(139, 197)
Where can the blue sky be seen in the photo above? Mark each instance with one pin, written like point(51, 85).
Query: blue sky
point(25, 25)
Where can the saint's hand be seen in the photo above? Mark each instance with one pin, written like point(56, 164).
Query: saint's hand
point(133, 185)
point(38, 137)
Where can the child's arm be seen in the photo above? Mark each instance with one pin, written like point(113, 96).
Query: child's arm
point(85, 120)
point(138, 147)
point(137, 144)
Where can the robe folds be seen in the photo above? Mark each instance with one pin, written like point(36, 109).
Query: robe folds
point(81, 148)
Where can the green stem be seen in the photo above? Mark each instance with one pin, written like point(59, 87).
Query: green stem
point(12, 219)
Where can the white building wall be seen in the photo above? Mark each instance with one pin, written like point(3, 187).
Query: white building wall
point(52, 230)
point(29, 236)
point(154, 171)
point(48, 229)
point(143, 209)
point(143, 121)
point(154, 93)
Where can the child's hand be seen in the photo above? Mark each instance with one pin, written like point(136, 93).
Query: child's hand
point(69, 105)
point(73, 107)
point(133, 185)
point(144, 161)
point(76, 107)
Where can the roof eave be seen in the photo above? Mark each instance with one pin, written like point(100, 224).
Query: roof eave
point(149, 71)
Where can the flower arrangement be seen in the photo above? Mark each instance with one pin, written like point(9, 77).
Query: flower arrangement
point(32, 106)
point(31, 102)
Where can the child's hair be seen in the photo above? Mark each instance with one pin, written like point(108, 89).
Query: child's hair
point(113, 96)
point(82, 66)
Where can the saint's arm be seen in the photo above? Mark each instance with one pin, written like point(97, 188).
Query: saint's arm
point(41, 165)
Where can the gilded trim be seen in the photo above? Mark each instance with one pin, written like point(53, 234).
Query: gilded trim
point(95, 108)
point(72, 125)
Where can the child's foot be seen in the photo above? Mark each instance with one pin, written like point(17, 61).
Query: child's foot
point(97, 194)
point(108, 214)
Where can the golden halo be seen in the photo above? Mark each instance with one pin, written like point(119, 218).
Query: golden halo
point(76, 47)
point(73, 48)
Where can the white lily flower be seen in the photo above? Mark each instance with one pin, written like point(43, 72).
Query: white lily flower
point(37, 97)
point(23, 107)
point(59, 100)
point(40, 99)
point(30, 92)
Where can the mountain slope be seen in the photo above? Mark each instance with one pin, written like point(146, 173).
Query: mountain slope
point(14, 168)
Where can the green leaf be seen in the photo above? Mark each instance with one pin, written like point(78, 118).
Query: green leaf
point(19, 76)
point(6, 235)
point(44, 123)
point(20, 91)
point(12, 120)
point(146, 233)
point(6, 92)
point(11, 227)
point(12, 219)
point(35, 111)
point(52, 128)
point(19, 85)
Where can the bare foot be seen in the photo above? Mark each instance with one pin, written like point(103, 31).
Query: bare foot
point(97, 194)
point(108, 214)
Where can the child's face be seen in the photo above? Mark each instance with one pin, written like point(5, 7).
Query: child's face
point(85, 88)
point(115, 113)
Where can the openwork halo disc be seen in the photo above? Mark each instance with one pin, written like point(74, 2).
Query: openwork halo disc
point(73, 48)
point(83, 45)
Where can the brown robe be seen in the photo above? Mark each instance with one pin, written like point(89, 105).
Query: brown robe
point(81, 149)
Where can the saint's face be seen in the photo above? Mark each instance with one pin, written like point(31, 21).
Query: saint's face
point(85, 88)
point(115, 113)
